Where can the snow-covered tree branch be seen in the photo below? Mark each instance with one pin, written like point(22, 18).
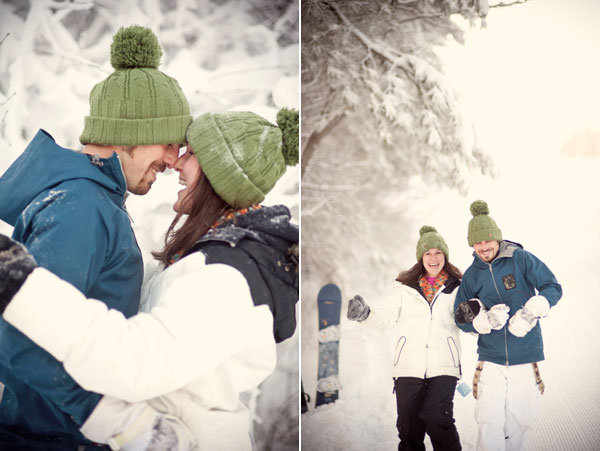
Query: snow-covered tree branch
point(374, 91)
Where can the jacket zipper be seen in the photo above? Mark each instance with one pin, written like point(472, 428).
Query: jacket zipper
point(430, 321)
point(501, 300)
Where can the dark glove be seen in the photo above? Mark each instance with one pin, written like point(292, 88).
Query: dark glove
point(358, 310)
point(15, 265)
point(466, 311)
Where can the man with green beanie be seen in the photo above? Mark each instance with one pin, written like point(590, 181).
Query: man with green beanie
point(504, 281)
point(68, 208)
point(217, 347)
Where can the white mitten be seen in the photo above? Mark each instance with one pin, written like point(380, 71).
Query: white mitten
point(526, 318)
point(538, 306)
point(494, 318)
point(169, 433)
point(135, 427)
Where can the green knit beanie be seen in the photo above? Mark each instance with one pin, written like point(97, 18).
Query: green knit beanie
point(482, 227)
point(430, 239)
point(242, 154)
point(137, 104)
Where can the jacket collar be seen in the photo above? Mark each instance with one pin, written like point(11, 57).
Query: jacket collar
point(44, 164)
point(270, 225)
point(447, 288)
point(505, 250)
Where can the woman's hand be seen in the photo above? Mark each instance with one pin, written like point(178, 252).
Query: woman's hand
point(15, 265)
point(358, 310)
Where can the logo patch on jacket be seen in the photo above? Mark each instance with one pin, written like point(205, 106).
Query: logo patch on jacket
point(509, 281)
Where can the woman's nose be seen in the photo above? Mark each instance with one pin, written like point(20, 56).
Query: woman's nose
point(179, 163)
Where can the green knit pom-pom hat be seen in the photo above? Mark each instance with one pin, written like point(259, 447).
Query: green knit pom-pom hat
point(242, 154)
point(137, 104)
point(482, 227)
point(429, 238)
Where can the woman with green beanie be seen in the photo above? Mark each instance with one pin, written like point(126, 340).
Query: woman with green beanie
point(209, 322)
point(426, 361)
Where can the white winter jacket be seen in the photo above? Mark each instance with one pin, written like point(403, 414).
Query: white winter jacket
point(425, 335)
point(199, 343)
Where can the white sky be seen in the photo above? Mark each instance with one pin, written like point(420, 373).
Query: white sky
point(529, 82)
point(532, 75)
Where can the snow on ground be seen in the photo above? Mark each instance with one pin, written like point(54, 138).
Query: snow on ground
point(525, 111)
point(364, 417)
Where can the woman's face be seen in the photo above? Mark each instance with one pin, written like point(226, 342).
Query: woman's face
point(189, 170)
point(433, 261)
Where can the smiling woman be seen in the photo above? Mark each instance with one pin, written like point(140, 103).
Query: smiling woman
point(420, 311)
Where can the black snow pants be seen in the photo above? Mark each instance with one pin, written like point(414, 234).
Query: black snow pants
point(426, 406)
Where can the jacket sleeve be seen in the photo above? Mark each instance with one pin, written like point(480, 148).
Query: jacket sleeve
point(385, 314)
point(67, 235)
point(60, 237)
point(465, 292)
point(203, 315)
point(540, 277)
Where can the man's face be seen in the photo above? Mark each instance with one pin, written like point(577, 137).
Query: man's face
point(142, 163)
point(487, 250)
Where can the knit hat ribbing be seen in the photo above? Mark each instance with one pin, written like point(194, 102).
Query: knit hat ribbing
point(242, 154)
point(430, 239)
point(137, 104)
point(482, 227)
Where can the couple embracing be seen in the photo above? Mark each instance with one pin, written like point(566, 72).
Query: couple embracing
point(500, 298)
point(87, 357)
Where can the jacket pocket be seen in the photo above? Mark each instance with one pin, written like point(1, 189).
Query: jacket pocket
point(453, 351)
point(399, 347)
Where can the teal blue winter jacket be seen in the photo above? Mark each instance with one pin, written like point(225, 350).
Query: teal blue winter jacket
point(69, 212)
point(513, 277)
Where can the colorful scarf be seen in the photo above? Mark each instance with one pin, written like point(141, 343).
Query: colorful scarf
point(430, 290)
point(234, 214)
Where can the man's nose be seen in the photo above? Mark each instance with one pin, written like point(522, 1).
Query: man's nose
point(170, 157)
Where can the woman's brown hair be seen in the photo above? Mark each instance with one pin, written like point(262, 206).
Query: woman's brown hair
point(207, 207)
point(411, 276)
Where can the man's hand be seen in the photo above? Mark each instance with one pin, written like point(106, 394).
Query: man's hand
point(15, 265)
point(358, 310)
point(136, 427)
point(467, 311)
point(494, 318)
point(527, 317)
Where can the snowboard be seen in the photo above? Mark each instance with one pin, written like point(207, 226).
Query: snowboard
point(329, 301)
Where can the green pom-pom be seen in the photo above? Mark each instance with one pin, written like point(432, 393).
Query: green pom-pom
point(426, 229)
point(135, 46)
point(287, 121)
point(479, 207)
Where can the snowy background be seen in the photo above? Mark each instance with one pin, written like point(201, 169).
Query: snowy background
point(529, 85)
point(230, 54)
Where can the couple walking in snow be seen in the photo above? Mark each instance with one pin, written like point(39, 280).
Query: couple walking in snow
point(501, 297)
point(81, 367)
